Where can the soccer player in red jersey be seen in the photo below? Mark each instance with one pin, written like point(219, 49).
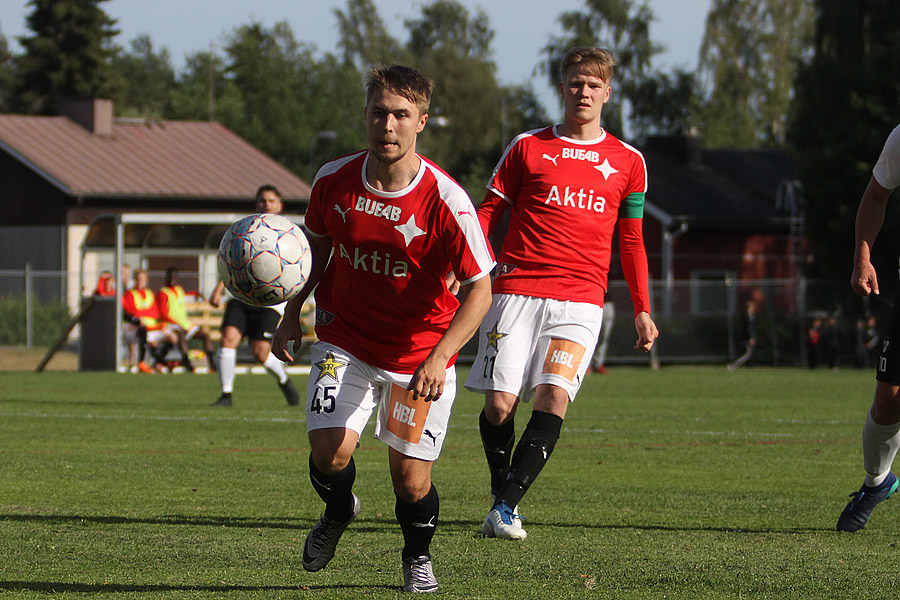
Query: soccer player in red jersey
point(567, 187)
point(386, 226)
point(142, 323)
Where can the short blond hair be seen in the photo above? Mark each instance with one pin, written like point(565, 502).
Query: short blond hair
point(598, 62)
point(403, 81)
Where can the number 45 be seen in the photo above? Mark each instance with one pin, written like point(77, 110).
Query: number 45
point(323, 399)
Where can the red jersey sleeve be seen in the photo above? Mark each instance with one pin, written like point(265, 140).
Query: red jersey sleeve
point(491, 211)
point(633, 256)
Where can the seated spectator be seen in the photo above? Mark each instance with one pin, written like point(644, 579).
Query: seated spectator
point(142, 325)
point(106, 285)
point(172, 310)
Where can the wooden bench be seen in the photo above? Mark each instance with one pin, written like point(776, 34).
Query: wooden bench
point(204, 314)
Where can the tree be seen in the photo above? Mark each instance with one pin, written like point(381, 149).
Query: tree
point(67, 57)
point(145, 79)
point(7, 75)
point(203, 92)
point(364, 40)
point(289, 97)
point(623, 27)
point(454, 49)
point(748, 60)
point(662, 104)
point(847, 101)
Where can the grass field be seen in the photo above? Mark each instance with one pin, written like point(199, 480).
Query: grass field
point(685, 483)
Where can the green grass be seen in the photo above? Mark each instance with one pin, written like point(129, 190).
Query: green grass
point(687, 483)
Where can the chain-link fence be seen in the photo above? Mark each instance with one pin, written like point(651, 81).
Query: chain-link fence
point(700, 321)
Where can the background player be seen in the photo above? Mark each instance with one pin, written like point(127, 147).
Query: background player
point(567, 186)
point(394, 225)
point(257, 323)
point(881, 433)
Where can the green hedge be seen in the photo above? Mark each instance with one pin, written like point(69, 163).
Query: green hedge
point(49, 320)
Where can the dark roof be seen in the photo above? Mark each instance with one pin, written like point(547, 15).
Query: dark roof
point(145, 159)
point(722, 188)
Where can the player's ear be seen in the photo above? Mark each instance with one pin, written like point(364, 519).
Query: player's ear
point(422, 120)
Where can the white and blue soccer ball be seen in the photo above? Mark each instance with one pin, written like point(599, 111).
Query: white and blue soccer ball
point(264, 259)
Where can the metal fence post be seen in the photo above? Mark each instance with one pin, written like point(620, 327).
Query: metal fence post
point(29, 306)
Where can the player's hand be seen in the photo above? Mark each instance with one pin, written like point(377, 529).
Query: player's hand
point(864, 281)
point(428, 380)
point(288, 329)
point(215, 298)
point(646, 332)
point(452, 283)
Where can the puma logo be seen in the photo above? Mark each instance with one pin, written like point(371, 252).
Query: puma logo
point(459, 213)
point(432, 436)
point(551, 158)
point(430, 523)
point(343, 212)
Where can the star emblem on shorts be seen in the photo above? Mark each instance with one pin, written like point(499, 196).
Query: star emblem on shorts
point(328, 366)
point(493, 337)
point(606, 168)
point(410, 230)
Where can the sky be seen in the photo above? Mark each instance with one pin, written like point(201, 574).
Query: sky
point(522, 27)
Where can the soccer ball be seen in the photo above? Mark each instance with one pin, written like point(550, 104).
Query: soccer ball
point(264, 259)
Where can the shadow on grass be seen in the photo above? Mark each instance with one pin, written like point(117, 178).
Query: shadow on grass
point(376, 524)
point(98, 588)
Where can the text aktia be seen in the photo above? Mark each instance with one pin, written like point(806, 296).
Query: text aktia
point(374, 262)
point(576, 199)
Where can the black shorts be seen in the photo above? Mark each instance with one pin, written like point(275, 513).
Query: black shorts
point(888, 369)
point(254, 322)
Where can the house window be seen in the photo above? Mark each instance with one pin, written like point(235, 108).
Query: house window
point(713, 292)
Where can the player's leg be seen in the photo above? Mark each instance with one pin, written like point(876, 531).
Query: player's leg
point(506, 341)
point(498, 434)
point(881, 437)
point(340, 400)
point(414, 431)
point(563, 354)
point(261, 327)
point(417, 508)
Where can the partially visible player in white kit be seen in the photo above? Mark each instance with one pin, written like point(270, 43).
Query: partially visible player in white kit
point(881, 432)
point(568, 186)
point(394, 226)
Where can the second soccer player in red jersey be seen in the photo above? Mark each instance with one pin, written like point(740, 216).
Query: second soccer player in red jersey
point(567, 187)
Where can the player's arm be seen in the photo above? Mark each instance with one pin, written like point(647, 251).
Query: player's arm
point(216, 297)
point(490, 211)
point(869, 219)
point(290, 328)
point(428, 380)
point(633, 256)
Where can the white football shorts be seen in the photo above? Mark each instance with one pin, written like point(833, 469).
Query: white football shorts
point(154, 336)
point(343, 391)
point(526, 341)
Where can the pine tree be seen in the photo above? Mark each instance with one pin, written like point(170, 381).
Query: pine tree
point(67, 57)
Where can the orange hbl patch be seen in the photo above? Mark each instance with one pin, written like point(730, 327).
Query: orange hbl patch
point(563, 358)
point(406, 414)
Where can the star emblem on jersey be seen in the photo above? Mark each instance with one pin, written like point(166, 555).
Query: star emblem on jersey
point(328, 366)
point(493, 337)
point(605, 168)
point(410, 230)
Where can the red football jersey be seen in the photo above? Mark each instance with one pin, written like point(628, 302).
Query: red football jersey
point(383, 297)
point(566, 196)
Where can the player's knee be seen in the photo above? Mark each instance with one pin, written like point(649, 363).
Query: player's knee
point(499, 408)
point(412, 489)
